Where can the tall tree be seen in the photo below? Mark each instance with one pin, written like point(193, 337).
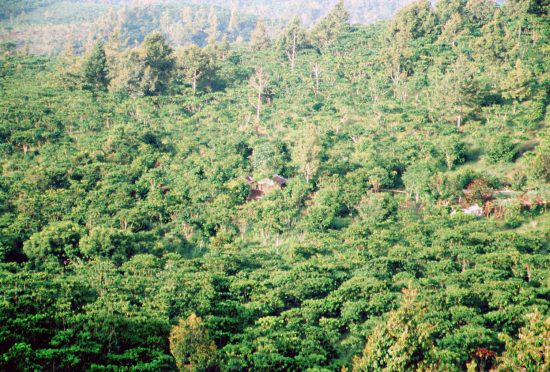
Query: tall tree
point(70, 67)
point(418, 179)
point(519, 83)
point(292, 40)
point(159, 63)
point(307, 152)
point(452, 150)
point(223, 48)
point(127, 73)
point(193, 63)
point(213, 25)
point(456, 94)
point(258, 82)
point(233, 25)
point(96, 72)
point(413, 22)
point(334, 24)
point(259, 39)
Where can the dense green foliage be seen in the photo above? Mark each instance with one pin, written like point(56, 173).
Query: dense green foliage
point(127, 240)
point(47, 26)
point(51, 26)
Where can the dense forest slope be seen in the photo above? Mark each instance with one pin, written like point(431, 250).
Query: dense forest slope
point(50, 29)
point(142, 227)
point(47, 26)
point(361, 11)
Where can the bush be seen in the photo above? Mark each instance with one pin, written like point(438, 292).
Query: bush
point(376, 207)
point(502, 149)
point(59, 241)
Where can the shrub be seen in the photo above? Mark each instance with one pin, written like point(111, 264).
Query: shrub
point(502, 149)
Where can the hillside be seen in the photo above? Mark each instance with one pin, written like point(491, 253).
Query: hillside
point(361, 11)
point(46, 27)
point(338, 197)
point(52, 28)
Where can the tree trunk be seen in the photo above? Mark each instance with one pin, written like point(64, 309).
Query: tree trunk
point(259, 104)
point(293, 62)
point(259, 83)
point(317, 74)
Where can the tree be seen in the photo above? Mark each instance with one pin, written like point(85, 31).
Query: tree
point(418, 178)
point(127, 74)
point(193, 63)
point(259, 39)
point(316, 72)
point(96, 72)
point(258, 82)
point(70, 67)
point(58, 240)
point(191, 346)
point(307, 151)
point(268, 158)
point(411, 23)
point(494, 43)
point(457, 93)
point(519, 84)
point(399, 343)
point(187, 16)
point(233, 25)
point(292, 40)
point(213, 25)
point(452, 149)
point(158, 62)
point(223, 48)
point(452, 30)
point(376, 207)
point(334, 24)
point(480, 12)
point(114, 244)
point(539, 165)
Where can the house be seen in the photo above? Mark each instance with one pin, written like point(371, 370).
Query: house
point(259, 188)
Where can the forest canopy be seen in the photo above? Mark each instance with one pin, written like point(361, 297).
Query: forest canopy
point(334, 196)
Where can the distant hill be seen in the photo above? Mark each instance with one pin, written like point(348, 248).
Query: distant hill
point(362, 11)
point(47, 26)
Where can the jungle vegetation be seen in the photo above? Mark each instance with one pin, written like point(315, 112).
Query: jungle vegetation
point(128, 241)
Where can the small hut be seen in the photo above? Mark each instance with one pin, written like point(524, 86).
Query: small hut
point(259, 188)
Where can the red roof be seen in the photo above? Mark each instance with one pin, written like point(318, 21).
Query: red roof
point(279, 179)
